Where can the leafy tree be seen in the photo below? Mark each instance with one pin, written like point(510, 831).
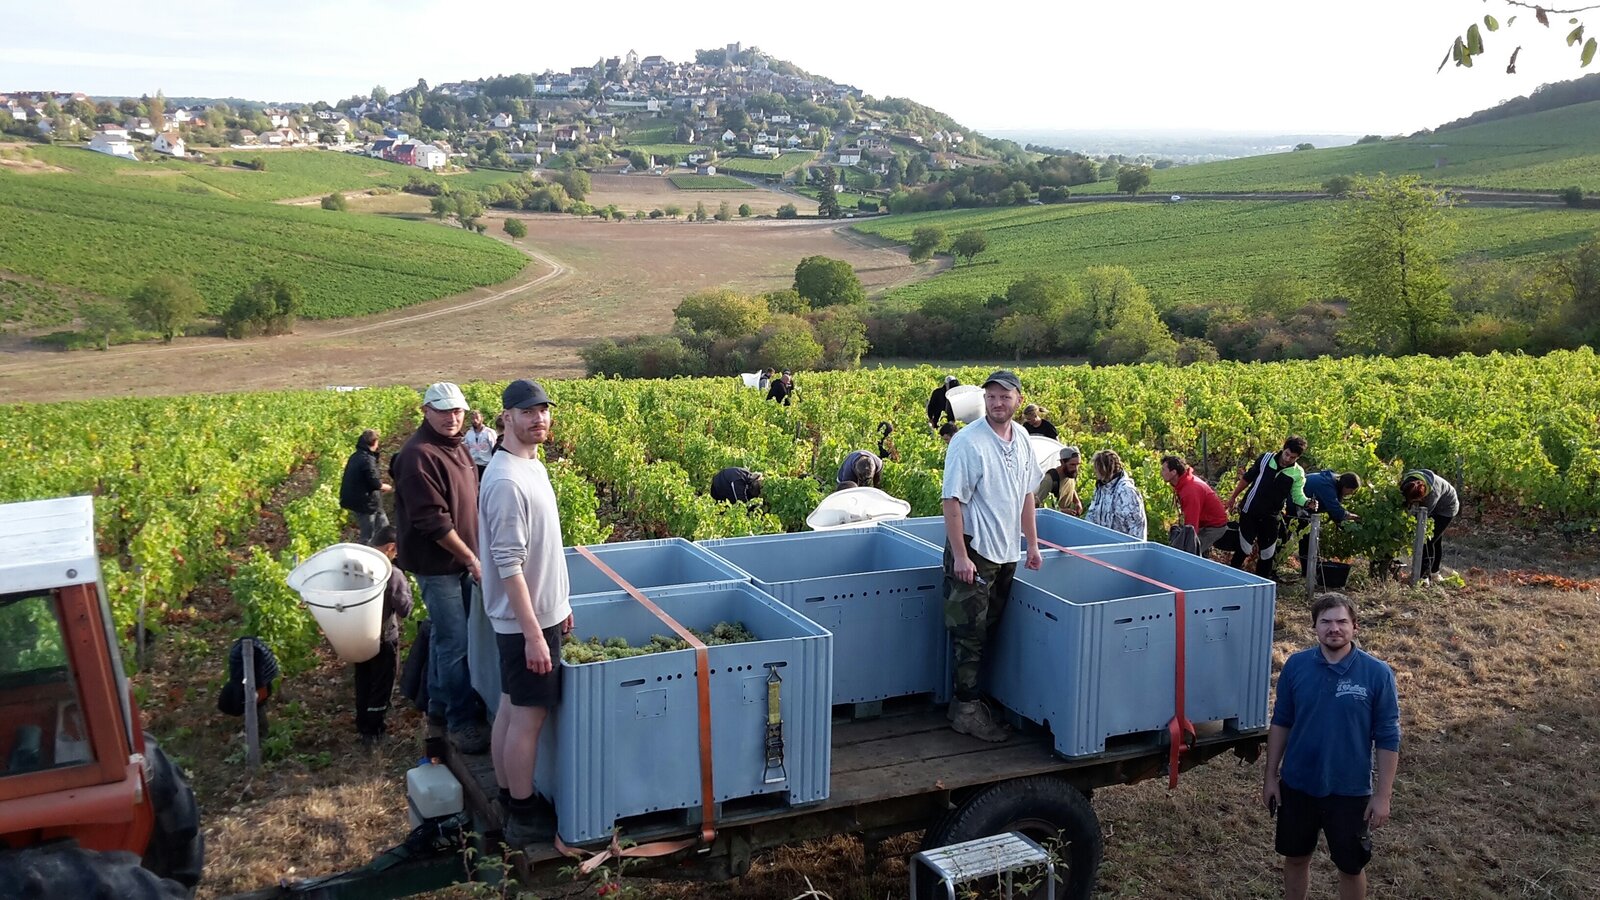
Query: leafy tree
point(639, 160)
point(787, 300)
point(843, 337)
point(725, 211)
point(736, 120)
point(575, 180)
point(1339, 185)
point(969, 244)
point(656, 213)
point(828, 203)
point(1133, 179)
point(826, 282)
point(916, 170)
point(268, 306)
point(1305, 146)
point(789, 343)
point(722, 312)
point(166, 304)
point(673, 210)
point(788, 211)
point(925, 239)
point(466, 207)
point(1572, 196)
point(744, 210)
point(335, 201)
point(516, 229)
point(1392, 238)
point(104, 317)
point(1278, 294)
point(1023, 334)
point(699, 211)
point(379, 94)
point(1042, 295)
point(1369, 139)
point(440, 206)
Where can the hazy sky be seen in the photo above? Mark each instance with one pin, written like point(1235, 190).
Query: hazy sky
point(1354, 66)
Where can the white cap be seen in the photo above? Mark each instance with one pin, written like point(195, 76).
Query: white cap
point(444, 395)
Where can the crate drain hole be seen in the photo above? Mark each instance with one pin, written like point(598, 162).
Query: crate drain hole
point(1232, 608)
point(635, 682)
point(1123, 621)
point(1051, 617)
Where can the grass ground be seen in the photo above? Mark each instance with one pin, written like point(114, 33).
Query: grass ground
point(777, 166)
point(1548, 150)
point(1198, 249)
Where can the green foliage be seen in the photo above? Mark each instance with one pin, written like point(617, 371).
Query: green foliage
point(826, 282)
point(576, 653)
point(335, 201)
point(575, 181)
point(272, 611)
point(1393, 239)
point(724, 212)
point(707, 183)
point(1338, 185)
point(788, 211)
point(969, 244)
point(1572, 196)
point(515, 228)
point(744, 210)
point(722, 312)
point(268, 306)
point(103, 318)
point(762, 166)
point(828, 203)
point(1133, 179)
point(925, 239)
point(166, 304)
point(788, 343)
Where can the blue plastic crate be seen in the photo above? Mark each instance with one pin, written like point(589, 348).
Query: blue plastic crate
point(666, 562)
point(1090, 652)
point(625, 739)
point(1055, 527)
point(878, 591)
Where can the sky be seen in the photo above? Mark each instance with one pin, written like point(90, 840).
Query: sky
point(1329, 66)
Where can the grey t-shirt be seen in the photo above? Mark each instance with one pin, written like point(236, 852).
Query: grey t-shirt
point(519, 527)
point(991, 478)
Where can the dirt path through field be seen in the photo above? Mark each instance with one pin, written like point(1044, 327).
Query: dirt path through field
point(586, 280)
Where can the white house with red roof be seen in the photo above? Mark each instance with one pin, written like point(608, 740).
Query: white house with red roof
point(168, 142)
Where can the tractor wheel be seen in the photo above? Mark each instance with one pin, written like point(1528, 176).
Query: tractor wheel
point(60, 870)
point(177, 847)
point(1047, 809)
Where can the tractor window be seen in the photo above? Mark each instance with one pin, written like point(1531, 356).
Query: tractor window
point(41, 720)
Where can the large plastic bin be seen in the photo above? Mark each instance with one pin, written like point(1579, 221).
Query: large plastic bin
point(1055, 527)
point(1090, 652)
point(665, 562)
point(625, 739)
point(878, 591)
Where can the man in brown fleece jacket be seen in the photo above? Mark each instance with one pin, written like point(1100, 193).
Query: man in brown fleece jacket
point(436, 517)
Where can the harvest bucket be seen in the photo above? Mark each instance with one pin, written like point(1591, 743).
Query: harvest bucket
point(966, 401)
point(856, 506)
point(1047, 451)
point(750, 379)
point(343, 586)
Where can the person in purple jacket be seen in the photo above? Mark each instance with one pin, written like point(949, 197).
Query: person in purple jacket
point(1336, 706)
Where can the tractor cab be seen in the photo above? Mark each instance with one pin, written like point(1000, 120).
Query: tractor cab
point(76, 770)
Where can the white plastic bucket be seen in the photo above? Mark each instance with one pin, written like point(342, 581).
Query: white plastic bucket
point(856, 506)
point(343, 587)
point(750, 379)
point(966, 401)
point(1046, 450)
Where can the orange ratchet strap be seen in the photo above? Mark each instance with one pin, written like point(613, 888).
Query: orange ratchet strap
point(702, 662)
point(1180, 729)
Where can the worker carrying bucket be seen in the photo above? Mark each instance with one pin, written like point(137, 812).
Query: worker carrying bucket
point(343, 587)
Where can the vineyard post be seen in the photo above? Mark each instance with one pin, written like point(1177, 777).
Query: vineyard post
point(1205, 462)
point(1313, 552)
point(252, 735)
point(1417, 544)
point(138, 630)
point(1461, 464)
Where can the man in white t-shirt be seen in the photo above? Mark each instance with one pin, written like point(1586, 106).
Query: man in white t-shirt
point(989, 477)
point(525, 593)
point(479, 441)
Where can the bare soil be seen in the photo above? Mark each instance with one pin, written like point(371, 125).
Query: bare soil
point(647, 192)
point(586, 279)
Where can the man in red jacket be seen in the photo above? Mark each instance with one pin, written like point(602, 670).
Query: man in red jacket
point(436, 517)
point(1202, 508)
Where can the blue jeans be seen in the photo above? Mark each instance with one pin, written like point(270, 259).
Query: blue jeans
point(449, 687)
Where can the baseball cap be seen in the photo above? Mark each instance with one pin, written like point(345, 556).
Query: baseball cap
point(444, 395)
point(1070, 452)
point(1004, 378)
point(522, 394)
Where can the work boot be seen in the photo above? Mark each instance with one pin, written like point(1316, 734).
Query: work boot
point(470, 740)
point(972, 717)
point(530, 821)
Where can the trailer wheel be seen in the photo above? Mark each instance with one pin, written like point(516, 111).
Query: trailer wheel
point(1047, 809)
point(177, 847)
point(61, 870)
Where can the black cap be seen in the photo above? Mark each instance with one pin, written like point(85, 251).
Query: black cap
point(522, 394)
point(1004, 378)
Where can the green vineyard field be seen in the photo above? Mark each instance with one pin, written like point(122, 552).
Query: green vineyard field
point(752, 166)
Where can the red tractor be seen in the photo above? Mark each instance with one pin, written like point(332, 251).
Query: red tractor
point(89, 804)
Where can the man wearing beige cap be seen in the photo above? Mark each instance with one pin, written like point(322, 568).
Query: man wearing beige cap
point(1060, 484)
point(436, 517)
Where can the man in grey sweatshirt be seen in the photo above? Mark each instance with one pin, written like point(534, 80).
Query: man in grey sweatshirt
point(525, 593)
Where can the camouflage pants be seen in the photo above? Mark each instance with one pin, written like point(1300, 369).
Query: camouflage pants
point(972, 613)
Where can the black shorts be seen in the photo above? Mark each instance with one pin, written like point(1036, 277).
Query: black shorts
point(519, 682)
point(1342, 819)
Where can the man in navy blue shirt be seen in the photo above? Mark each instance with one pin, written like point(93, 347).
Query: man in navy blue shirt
point(1336, 705)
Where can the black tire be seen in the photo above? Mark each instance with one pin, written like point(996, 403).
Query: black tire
point(177, 847)
point(61, 870)
point(1047, 809)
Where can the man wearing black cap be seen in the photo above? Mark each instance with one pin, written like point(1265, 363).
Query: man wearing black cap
point(782, 388)
point(525, 596)
point(989, 478)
